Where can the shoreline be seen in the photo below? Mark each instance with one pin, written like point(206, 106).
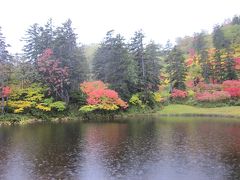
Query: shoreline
point(173, 110)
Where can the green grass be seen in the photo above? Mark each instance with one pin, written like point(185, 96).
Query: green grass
point(177, 109)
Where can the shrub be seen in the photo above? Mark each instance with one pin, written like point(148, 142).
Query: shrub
point(99, 97)
point(33, 97)
point(202, 87)
point(232, 87)
point(234, 91)
point(216, 96)
point(136, 101)
point(231, 84)
point(178, 94)
point(157, 97)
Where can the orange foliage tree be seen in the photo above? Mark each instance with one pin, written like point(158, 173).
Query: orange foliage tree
point(99, 97)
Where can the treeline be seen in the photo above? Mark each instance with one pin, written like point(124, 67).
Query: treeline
point(53, 58)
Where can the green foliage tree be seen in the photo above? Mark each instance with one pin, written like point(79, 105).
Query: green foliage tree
point(70, 54)
point(235, 20)
point(137, 50)
point(219, 41)
point(5, 60)
point(206, 66)
point(63, 42)
point(230, 73)
point(219, 66)
point(37, 39)
point(114, 65)
point(176, 68)
point(152, 66)
point(199, 42)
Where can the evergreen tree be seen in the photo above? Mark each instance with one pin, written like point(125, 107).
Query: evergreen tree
point(236, 20)
point(219, 41)
point(114, 65)
point(219, 68)
point(137, 50)
point(37, 39)
point(152, 66)
point(230, 73)
point(5, 60)
point(103, 57)
point(4, 54)
point(176, 68)
point(199, 42)
point(66, 50)
point(63, 42)
point(206, 66)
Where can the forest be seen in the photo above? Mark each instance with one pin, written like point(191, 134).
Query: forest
point(55, 75)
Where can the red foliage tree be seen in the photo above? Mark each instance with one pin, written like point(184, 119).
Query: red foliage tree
point(99, 94)
point(5, 92)
point(54, 75)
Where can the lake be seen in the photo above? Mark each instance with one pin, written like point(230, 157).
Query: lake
point(138, 148)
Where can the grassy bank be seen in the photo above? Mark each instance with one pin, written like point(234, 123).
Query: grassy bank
point(177, 109)
point(170, 110)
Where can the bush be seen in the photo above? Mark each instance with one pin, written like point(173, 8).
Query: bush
point(232, 87)
point(33, 98)
point(202, 87)
point(78, 97)
point(178, 94)
point(136, 101)
point(99, 97)
point(216, 96)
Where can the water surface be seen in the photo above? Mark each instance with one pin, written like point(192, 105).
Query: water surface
point(141, 148)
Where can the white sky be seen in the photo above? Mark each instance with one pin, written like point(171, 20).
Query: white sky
point(160, 19)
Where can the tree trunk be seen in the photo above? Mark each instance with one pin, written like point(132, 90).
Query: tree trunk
point(2, 105)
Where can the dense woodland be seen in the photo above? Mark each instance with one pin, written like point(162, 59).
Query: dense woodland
point(56, 74)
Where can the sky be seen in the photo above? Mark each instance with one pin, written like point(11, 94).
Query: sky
point(160, 20)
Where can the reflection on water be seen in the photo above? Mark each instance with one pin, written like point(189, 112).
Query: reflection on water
point(135, 149)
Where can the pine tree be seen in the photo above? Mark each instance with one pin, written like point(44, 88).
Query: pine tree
point(63, 42)
point(199, 43)
point(37, 40)
point(5, 60)
point(219, 41)
point(114, 65)
point(176, 68)
point(219, 68)
point(152, 66)
point(70, 54)
point(137, 50)
point(206, 66)
point(230, 73)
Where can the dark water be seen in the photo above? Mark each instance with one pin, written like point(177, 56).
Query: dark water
point(151, 148)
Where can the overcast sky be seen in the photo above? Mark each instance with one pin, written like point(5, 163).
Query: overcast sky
point(160, 19)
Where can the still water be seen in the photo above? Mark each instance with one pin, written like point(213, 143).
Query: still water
point(141, 148)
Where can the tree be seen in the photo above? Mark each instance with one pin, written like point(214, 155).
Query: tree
point(37, 39)
point(199, 42)
point(137, 50)
point(176, 69)
point(99, 97)
point(66, 50)
point(113, 64)
point(63, 42)
point(219, 67)
point(219, 41)
point(236, 20)
point(206, 66)
point(230, 73)
point(152, 66)
point(54, 75)
point(4, 54)
point(5, 60)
